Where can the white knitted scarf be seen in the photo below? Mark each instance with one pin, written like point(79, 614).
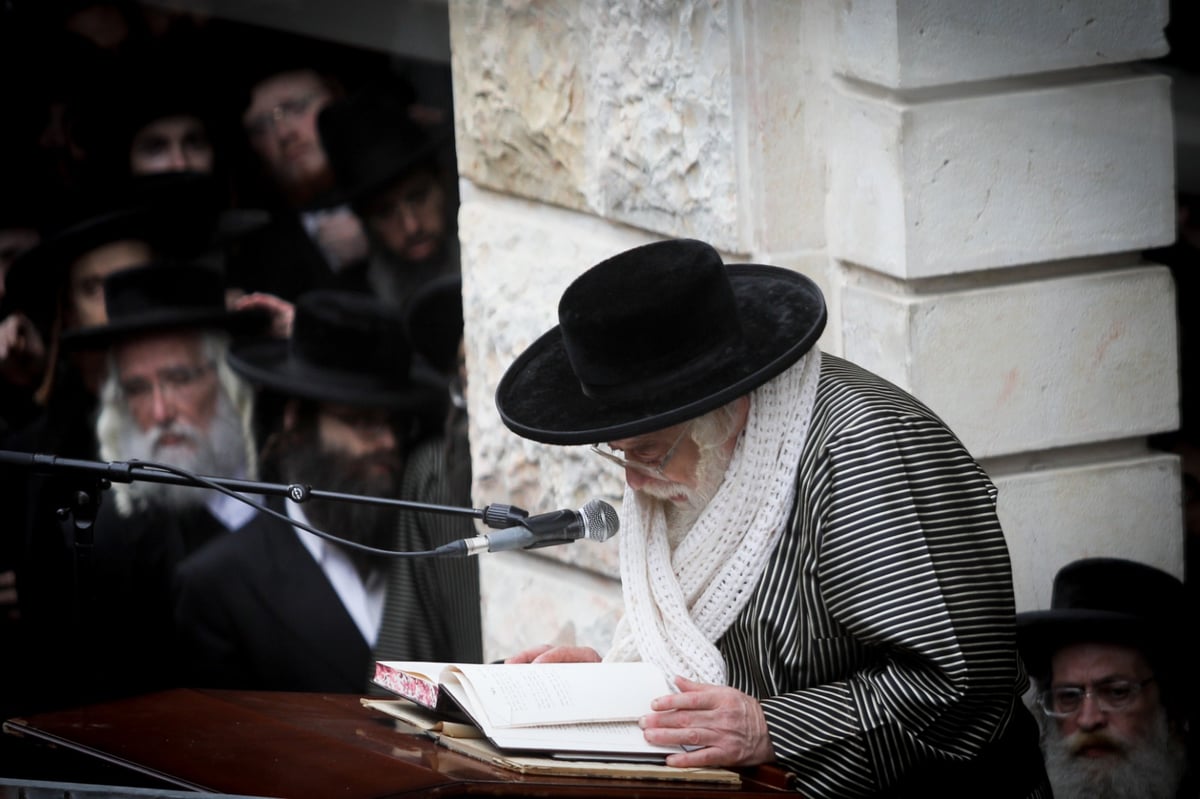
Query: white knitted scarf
point(677, 605)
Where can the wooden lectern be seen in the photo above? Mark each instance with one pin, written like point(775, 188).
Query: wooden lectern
point(294, 746)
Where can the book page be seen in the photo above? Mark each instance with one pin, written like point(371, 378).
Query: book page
point(559, 693)
point(616, 739)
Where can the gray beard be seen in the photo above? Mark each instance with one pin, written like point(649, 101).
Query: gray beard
point(680, 517)
point(219, 451)
point(1147, 769)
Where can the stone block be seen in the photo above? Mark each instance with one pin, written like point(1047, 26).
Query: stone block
point(528, 600)
point(622, 110)
point(517, 258)
point(1029, 366)
point(1124, 507)
point(1049, 172)
point(919, 43)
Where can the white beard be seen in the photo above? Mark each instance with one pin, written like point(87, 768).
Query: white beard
point(681, 515)
point(219, 451)
point(1151, 768)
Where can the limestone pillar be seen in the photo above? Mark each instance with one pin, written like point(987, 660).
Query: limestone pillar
point(970, 183)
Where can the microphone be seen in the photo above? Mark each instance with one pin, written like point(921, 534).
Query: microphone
point(595, 521)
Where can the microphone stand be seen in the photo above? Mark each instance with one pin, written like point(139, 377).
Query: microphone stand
point(100, 475)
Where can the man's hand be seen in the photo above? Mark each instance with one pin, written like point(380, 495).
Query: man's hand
point(282, 312)
point(341, 236)
point(556, 654)
point(22, 352)
point(728, 724)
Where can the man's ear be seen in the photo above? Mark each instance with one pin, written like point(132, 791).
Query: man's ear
point(291, 415)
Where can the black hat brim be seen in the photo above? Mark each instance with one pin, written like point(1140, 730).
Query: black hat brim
point(1040, 633)
point(251, 321)
point(782, 313)
point(270, 364)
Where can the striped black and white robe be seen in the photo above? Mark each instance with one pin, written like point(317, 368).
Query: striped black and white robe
point(880, 638)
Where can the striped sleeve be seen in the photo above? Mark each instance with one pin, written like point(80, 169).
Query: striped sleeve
point(881, 636)
point(444, 590)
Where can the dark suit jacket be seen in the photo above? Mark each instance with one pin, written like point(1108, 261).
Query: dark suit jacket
point(281, 259)
point(256, 612)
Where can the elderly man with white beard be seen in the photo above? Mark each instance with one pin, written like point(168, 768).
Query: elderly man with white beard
point(806, 547)
point(168, 397)
point(1108, 664)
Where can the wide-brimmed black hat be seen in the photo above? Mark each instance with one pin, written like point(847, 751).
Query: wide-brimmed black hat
point(345, 347)
point(163, 296)
point(1104, 600)
point(371, 141)
point(655, 336)
point(179, 215)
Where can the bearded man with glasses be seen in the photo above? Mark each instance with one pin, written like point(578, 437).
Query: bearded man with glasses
point(807, 548)
point(167, 397)
point(1107, 662)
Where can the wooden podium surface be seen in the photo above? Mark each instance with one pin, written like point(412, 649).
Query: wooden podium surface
point(292, 746)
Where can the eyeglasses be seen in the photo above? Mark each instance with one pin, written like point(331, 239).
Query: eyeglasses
point(291, 109)
point(175, 381)
point(1112, 696)
point(645, 464)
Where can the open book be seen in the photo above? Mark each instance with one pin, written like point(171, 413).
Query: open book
point(580, 709)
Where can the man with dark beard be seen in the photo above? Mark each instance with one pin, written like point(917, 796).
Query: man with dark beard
point(167, 397)
point(392, 171)
point(1107, 662)
point(278, 607)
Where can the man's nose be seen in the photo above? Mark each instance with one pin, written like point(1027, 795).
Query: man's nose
point(385, 439)
point(635, 479)
point(178, 159)
point(163, 404)
point(1090, 715)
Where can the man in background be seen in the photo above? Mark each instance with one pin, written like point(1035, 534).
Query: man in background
point(1108, 662)
point(168, 397)
point(314, 240)
point(277, 607)
point(390, 169)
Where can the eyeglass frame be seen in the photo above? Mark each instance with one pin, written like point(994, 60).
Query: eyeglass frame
point(172, 380)
point(292, 108)
point(1046, 698)
point(655, 470)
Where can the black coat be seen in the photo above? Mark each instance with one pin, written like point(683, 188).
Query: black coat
point(256, 612)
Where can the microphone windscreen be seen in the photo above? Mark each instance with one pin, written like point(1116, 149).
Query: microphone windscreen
point(600, 521)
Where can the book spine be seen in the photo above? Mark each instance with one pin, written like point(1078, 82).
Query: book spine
point(403, 684)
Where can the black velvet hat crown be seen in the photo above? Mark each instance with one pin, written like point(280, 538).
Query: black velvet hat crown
point(1107, 600)
point(346, 347)
point(434, 321)
point(371, 141)
point(161, 296)
point(655, 336)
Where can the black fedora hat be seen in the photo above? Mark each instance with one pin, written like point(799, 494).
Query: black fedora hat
point(371, 141)
point(1109, 600)
point(346, 347)
point(655, 336)
point(163, 296)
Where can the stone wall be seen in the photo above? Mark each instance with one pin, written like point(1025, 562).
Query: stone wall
point(970, 183)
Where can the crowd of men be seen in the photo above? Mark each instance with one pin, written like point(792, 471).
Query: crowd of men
point(215, 240)
point(257, 280)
